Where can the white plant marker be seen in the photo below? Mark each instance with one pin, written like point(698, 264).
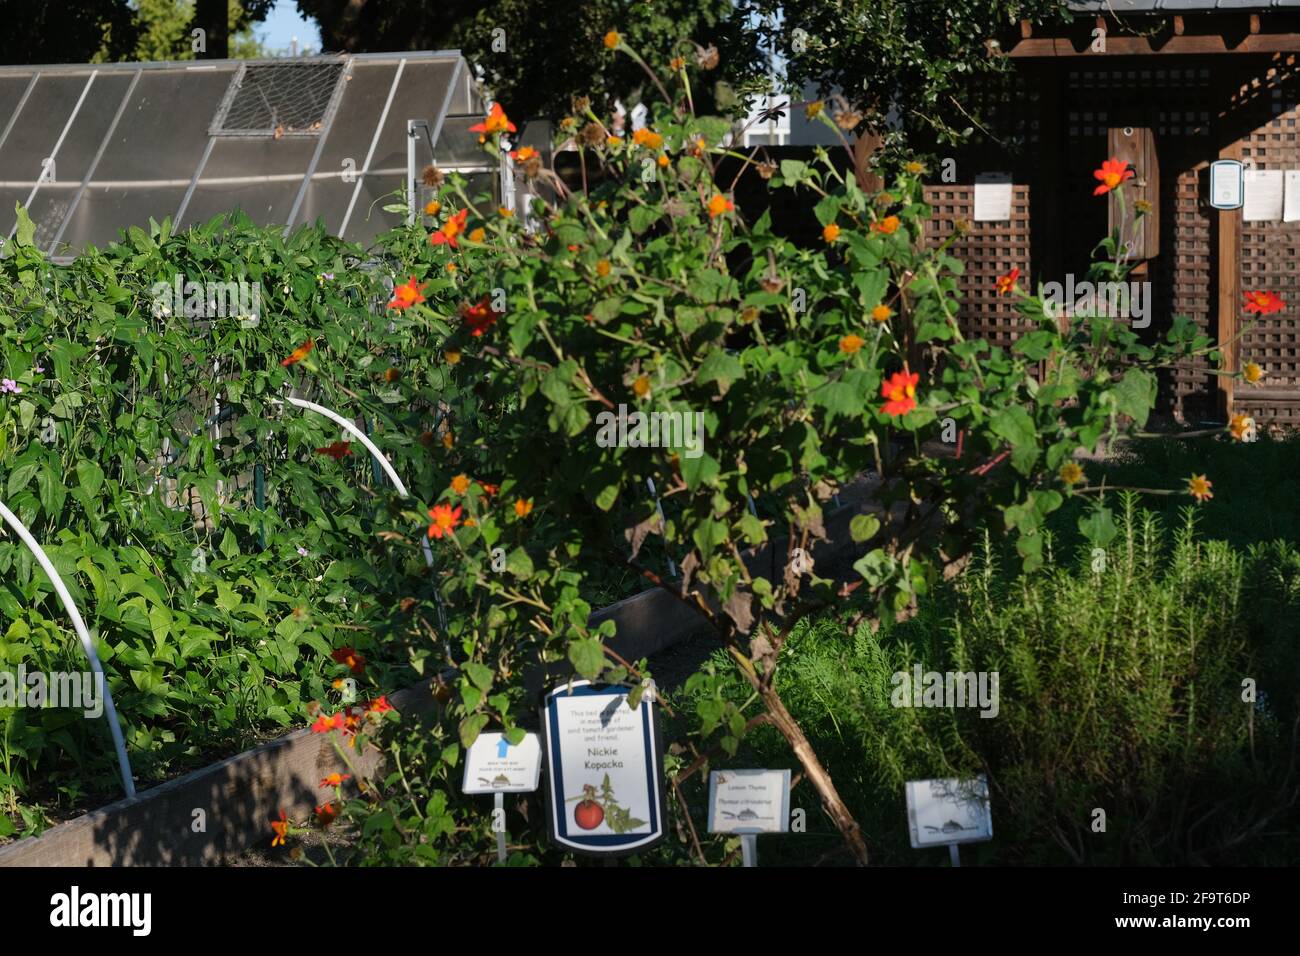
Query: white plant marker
point(110, 712)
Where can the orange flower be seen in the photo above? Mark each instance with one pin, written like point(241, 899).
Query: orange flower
point(379, 705)
point(523, 508)
point(851, 344)
point(889, 225)
point(281, 829)
point(432, 207)
point(391, 375)
point(299, 353)
point(523, 154)
point(602, 268)
point(612, 40)
point(1198, 486)
point(452, 356)
point(479, 317)
point(647, 138)
point(338, 450)
point(477, 235)
point(496, 122)
point(347, 655)
point(613, 142)
point(677, 63)
point(504, 213)
point(1251, 372)
point(718, 205)
point(445, 518)
point(641, 386)
point(1113, 172)
point(460, 484)
point(662, 161)
point(326, 814)
point(448, 439)
point(1239, 425)
point(899, 390)
point(335, 779)
point(489, 488)
point(1263, 303)
point(407, 295)
point(881, 313)
point(452, 228)
point(830, 232)
point(325, 724)
point(1008, 282)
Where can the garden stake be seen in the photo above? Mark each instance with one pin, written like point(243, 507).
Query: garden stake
point(499, 803)
point(954, 855)
point(672, 568)
point(749, 849)
point(110, 712)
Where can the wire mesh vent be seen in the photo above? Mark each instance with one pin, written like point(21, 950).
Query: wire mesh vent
point(279, 99)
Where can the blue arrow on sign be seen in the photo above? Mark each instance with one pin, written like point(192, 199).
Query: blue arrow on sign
point(502, 746)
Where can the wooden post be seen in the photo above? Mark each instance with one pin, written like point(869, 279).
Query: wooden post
point(1227, 258)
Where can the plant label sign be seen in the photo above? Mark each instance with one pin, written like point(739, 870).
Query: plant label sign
point(949, 811)
point(749, 801)
point(1227, 184)
point(494, 765)
point(604, 770)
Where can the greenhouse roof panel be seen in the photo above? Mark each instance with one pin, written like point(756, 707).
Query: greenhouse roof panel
point(93, 149)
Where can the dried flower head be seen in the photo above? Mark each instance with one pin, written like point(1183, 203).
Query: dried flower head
point(432, 176)
point(707, 57)
point(592, 134)
point(766, 170)
point(581, 104)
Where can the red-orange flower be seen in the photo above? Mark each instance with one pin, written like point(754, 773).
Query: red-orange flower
point(496, 122)
point(718, 205)
point(450, 229)
point(354, 660)
point(299, 353)
point(325, 724)
point(335, 779)
point(445, 518)
point(379, 705)
point(889, 225)
point(1008, 282)
point(479, 317)
point(326, 814)
point(407, 294)
point(1263, 303)
point(523, 154)
point(281, 829)
point(899, 391)
point(337, 450)
point(1113, 172)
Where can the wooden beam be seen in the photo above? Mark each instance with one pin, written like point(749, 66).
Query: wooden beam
point(1227, 270)
point(1179, 25)
point(1142, 46)
point(1254, 23)
point(1026, 29)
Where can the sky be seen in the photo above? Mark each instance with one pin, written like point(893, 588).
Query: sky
point(284, 23)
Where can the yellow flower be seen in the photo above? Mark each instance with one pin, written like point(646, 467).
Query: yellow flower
point(881, 313)
point(1239, 425)
point(812, 109)
point(851, 344)
point(889, 225)
point(504, 213)
point(432, 207)
point(748, 315)
point(831, 232)
point(477, 235)
point(1142, 206)
point(641, 386)
point(522, 507)
point(1252, 373)
point(612, 40)
point(1070, 473)
point(602, 268)
point(452, 356)
point(460, 484)
point(1198, 486)
point(451, 267)
point(613, 142)
point(648, 138)
point(915, 168)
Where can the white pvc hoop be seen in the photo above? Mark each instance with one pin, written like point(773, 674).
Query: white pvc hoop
point(110, 712)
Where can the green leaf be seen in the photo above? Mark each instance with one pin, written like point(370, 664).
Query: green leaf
point(520, 564)
point(480, 674)
point(1098, 526)
point(587, 656)
point(90, 477)
point(864, 527)
point(470, 728)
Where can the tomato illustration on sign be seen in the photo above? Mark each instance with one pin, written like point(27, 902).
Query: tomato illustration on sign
point(588, 814)
point(593, 810)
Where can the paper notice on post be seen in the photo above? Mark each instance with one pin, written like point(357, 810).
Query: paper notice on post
point(993, 193)
point(1291, 204)
point(1263, 196)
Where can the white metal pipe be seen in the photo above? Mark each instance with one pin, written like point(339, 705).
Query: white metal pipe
point(359, 434)
point(110, 712)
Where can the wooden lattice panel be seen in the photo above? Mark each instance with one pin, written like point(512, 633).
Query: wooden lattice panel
point(988, 250)
point(1269, 263)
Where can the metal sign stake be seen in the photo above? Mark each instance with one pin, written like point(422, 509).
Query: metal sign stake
point(954, 854)
point(499, 803)
point(749, 849)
